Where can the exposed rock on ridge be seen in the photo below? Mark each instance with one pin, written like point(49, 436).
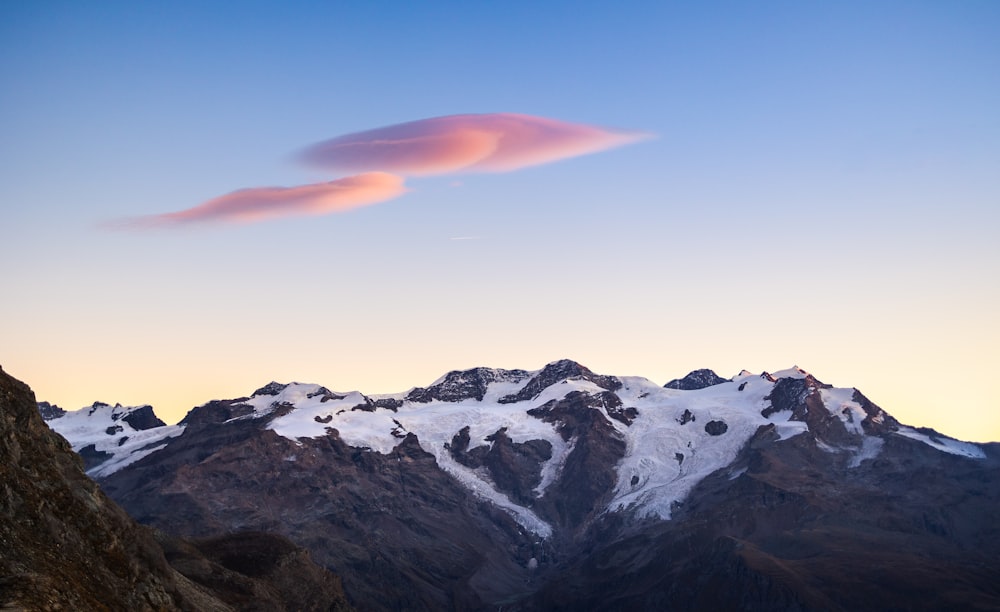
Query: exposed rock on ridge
point(556, 372)
point(459, 385)
point(698, 379)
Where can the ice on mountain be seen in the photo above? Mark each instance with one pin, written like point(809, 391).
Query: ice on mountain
point(792, 372)
point(944, 443)
point(871, 446)
point(109, 430)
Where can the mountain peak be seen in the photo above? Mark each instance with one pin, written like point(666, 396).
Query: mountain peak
point(558, 371)
point(697, 379)
point(50, 411)
point(459, 385)
point(271, 388)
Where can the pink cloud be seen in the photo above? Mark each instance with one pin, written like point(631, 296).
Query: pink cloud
point(263, 203)
point(498, 142)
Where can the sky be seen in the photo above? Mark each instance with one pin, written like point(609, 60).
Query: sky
point(194, 201)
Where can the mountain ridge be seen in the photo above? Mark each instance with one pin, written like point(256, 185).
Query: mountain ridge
point(492, 487)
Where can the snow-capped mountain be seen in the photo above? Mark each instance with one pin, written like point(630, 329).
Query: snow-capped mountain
point(487, 483)
point(110, 437)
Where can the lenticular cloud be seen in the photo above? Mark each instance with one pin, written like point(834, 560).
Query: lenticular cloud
point(498, 142)
point(262, 203)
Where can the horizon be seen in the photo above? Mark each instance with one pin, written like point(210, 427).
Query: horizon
point(178, 416)
point(198, 198)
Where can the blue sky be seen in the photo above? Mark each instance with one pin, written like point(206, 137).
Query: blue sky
point(822, 190)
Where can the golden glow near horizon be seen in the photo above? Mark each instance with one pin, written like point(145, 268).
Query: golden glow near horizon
point(948, 396)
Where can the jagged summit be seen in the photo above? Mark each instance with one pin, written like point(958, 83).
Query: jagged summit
point(459, 385)
point(271, 388)
point(556, 372)
point(698, 379)
point(727, 411)
point(50, 411)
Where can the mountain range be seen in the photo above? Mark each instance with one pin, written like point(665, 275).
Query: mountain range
point(565, 489)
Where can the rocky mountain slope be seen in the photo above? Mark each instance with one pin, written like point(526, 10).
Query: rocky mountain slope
point(65, 546)
point(565, 489)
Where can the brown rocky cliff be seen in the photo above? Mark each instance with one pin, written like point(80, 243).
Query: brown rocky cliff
point(64, 545)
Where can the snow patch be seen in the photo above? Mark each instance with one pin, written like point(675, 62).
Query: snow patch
point(871, 446)
point(944, 444)
point(840, 403)
point(792, 372)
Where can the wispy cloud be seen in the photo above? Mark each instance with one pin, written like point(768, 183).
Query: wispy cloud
point(498, 142)
point(263, 203)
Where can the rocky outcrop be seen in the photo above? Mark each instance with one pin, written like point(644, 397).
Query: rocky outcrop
point(143, 418)
point(218, 411)
point(256, 571)
point(50, 411)
point(556, 372)
point(698, 379)
point(271, 388)
point(514, 467)
point(461, 385)
point(588, 474)
point(716, 428)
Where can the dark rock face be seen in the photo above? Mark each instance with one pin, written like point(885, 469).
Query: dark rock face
point(877, 421)
point(462, 385)
point(558, 372)
point(93, 457)
point(686, 417)
point(50, 411)
point(217, 411)
point(716, 428)
point(271, 388)
point(143, 418)
point(698, 379)
point(515, 468)
point(325, 395)
point(256, 571)
point(371, 405)
point(588, 476)
point(614, 408)
point(788, 394)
